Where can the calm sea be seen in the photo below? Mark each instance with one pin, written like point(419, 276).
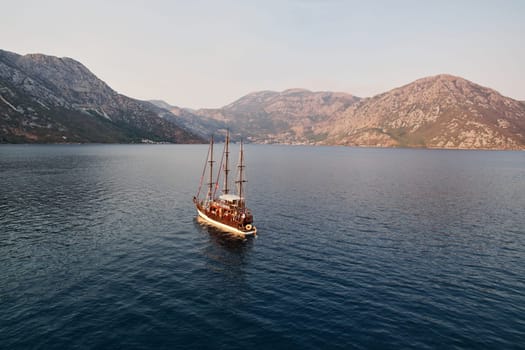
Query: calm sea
point(357, 248)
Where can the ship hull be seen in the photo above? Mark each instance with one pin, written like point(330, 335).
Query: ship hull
point(226, 227)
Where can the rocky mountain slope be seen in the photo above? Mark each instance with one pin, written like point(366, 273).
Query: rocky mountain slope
point(283, 117)
point(50, 99)
point(443, 111)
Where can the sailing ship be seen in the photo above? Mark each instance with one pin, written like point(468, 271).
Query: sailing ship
point(220, 207)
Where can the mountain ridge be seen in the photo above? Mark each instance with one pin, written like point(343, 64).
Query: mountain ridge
point(50, 99)
point(272, 116)
point(441, 111)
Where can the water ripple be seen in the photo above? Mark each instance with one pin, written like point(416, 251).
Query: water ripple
point(100, 248)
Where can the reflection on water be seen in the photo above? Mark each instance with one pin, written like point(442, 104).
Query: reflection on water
point(227, 249)
point(227, 259)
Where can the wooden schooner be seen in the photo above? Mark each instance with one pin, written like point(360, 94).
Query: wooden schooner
point(227, 211)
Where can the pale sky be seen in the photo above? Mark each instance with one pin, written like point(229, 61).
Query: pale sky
point(209, 53)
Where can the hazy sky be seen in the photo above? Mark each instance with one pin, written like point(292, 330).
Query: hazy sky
point(209, 53)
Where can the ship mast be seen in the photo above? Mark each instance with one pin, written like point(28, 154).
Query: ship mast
point(225, 189)
point(210, 184)
point(241, 181)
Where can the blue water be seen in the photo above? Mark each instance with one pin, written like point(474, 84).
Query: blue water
point(357, 248)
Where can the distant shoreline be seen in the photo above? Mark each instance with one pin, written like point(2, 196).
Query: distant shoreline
point(255, 143)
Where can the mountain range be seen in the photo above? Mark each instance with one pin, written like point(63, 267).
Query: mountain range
point(50, 99)
point(442, 111)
